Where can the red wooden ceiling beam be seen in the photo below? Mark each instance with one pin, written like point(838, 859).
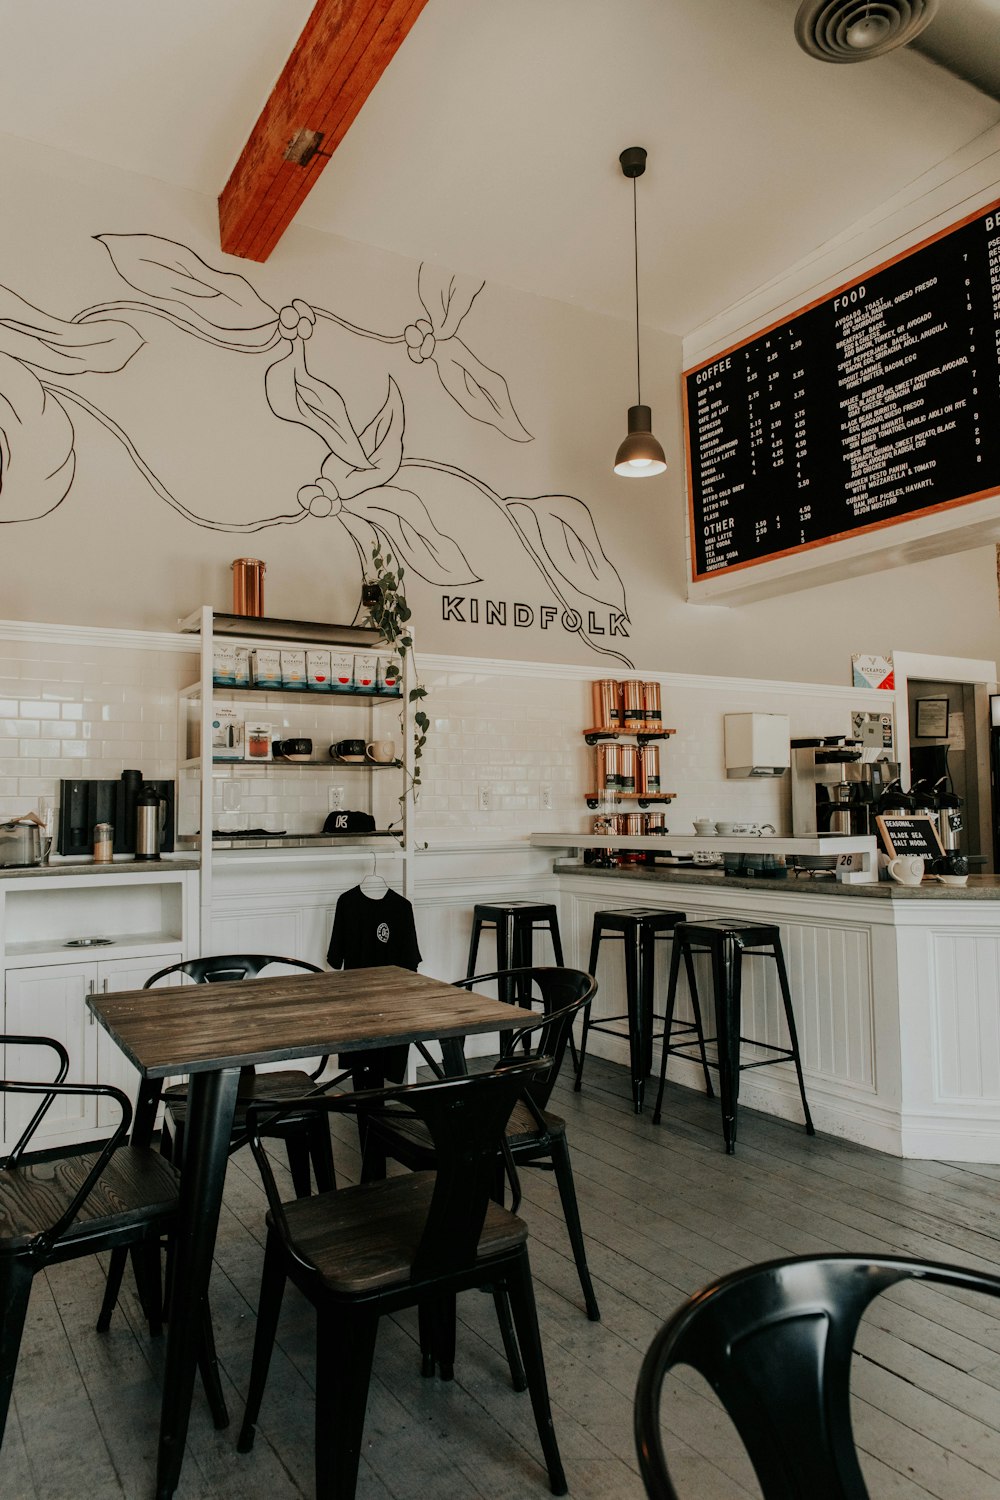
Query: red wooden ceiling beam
point(345, 47)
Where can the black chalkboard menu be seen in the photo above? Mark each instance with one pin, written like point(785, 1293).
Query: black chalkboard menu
point(909, 836)
point(876, 404)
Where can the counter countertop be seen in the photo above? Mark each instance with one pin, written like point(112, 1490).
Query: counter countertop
point(88, 867)
point(979, 888)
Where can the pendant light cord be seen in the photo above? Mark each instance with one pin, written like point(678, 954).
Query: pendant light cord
point(635, 242)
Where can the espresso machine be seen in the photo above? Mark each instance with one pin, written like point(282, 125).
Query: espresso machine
point(834, 790)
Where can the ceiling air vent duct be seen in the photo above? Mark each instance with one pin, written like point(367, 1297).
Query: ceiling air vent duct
point(847, 31)
point(964, 37)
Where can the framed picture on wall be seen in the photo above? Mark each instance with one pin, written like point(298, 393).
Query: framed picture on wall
point(932, 718)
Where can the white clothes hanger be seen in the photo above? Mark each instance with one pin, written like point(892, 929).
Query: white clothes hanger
point(373, 886)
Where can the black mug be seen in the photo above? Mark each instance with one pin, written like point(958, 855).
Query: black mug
point(348, 750)
point(301, 748)
point(953, 862)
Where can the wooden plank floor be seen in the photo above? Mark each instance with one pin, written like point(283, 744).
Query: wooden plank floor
point(664, 1211)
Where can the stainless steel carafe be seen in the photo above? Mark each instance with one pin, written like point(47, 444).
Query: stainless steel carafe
point(147, 823)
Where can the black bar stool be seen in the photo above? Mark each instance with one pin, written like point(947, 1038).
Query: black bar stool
point(515, 923)
point(728, 942)
point(639, 928)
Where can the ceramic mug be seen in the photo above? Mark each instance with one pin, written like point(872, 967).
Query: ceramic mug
point(705, 827)
point(383, 752)
point(908, 869)
point(726, 829)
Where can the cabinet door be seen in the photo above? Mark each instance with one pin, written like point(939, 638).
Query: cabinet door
point(113, 976)
point(51, 1001)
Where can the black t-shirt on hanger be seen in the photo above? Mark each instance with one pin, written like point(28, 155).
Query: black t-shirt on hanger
point(370, 933)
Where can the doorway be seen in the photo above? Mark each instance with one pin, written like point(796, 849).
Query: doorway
point(943, 729)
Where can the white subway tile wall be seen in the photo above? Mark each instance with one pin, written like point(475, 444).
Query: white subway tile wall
point(515, 734)
point(83, 710)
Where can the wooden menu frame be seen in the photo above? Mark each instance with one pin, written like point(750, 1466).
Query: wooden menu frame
point(916, 836)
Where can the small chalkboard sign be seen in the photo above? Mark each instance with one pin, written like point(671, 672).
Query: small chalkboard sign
point(916, 836)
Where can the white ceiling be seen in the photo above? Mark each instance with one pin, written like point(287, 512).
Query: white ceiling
point(491, 143)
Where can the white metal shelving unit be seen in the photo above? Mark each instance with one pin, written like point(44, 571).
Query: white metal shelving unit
point(208, 625)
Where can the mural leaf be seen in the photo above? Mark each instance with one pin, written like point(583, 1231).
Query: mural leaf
point(446, 298)
point(36, 446)
point(382, 441)
point(403, 520)
point(97, 348)
point(172, 273)
point(560, 533)
point(296, 395)
point(479, 391)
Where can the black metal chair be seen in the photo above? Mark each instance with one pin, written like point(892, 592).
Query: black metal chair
point(305, 1138)
point(58, 1208)
point(534, 1137)
point(414, 1239)
point(775, 1341)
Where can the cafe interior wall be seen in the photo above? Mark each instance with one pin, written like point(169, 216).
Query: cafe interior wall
point(158, 453)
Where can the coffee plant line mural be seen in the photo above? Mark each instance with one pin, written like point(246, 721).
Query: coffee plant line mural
point(367, 482)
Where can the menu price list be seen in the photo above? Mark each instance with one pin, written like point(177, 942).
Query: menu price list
point(879, 402)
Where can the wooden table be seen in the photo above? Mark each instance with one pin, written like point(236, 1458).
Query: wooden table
point(211, 1031)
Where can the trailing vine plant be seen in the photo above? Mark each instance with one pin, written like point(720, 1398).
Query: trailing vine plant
point(385, 600)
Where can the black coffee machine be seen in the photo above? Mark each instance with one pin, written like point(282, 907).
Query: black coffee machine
point(84, 804)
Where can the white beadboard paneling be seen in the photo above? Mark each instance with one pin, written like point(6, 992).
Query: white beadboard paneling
point(965, 1004)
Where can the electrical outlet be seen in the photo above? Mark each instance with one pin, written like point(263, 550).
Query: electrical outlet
point(335, 798)
point(545, 796)
point(485, 801)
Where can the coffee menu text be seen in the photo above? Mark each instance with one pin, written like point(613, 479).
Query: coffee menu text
point(877, 403)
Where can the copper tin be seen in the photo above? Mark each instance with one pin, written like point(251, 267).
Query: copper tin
point(604, 701)
point(609, 767)
point(651, 705)
point(648, 769)
point(627, 767)
point(635, 825)
point(248, 586)
point(632, 705)
point(656, 822)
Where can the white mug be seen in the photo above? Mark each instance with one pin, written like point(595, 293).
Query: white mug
point(907, 869)
point(383, 752)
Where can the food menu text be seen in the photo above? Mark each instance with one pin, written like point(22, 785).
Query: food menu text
point(871, 406)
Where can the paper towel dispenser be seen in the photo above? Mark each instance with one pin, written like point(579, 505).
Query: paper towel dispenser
point(757, 744)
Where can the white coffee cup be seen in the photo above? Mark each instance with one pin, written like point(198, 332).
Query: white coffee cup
point(726, 829)
point(907, 869)
point(705, 827)
point(383, 752)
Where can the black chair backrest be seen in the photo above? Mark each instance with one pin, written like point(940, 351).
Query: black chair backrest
point(466, 1118)
point(775, 1341)
point(42, 1243)
point(562, 993)
point(223, 968)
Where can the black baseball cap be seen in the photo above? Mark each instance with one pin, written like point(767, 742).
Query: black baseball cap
point(349, 822)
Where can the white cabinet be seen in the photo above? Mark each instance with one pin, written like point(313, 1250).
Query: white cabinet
point(146, 917)
point(51, 1000)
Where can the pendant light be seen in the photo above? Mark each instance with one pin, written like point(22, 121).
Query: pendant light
point(640, 454)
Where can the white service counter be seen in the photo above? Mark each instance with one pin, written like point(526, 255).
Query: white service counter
point(896, 993)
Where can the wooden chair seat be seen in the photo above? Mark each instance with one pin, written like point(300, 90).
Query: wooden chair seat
point(364, 1239)
point(533, 1137)
point(135, 1187)
point(290, 1084)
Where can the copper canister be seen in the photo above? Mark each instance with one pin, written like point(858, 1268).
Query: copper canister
point(652, 713)
point(627, 759)
point(647, 770)
point(656, 822)
point(632, 706)
point(248, 586)
point(609, 767)
point(635, 828)
point(604, 699)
